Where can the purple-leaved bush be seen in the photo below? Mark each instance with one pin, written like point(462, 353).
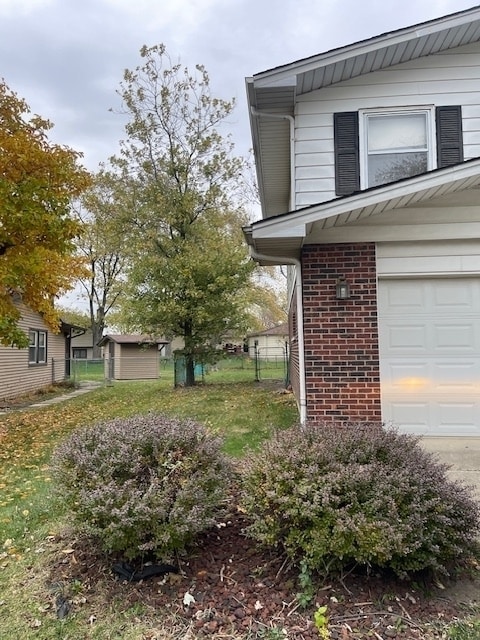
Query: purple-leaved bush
point(147, 483)
point(333, 496)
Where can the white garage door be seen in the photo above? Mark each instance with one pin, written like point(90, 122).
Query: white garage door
point(430, 355)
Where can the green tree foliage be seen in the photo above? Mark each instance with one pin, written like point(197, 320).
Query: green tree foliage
point(103, 245)
point(38, 180)
point(190, 269)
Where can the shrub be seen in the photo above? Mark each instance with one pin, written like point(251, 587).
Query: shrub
point(142, 484)
point(334, 496)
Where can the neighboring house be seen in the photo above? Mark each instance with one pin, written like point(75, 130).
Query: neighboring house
point(44, 362)
point(270, 343)
point(82, 345)
point(131, 357)
point(368, 161)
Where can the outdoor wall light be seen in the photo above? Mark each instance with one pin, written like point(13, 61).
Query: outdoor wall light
point(342, 290)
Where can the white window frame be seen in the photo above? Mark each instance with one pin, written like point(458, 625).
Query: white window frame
point(34, 344)
point(428, 110)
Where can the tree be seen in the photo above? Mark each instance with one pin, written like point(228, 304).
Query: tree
point(38, 181)
point(103, 245)
point(190, 267)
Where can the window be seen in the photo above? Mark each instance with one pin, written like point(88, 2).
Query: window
point(37, 348)
point(396, 145)
point(376, 147)
point(80, 353)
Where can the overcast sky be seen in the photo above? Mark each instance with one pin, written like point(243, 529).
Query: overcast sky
point(66, 57)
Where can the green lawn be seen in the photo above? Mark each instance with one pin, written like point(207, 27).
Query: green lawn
point(32, 522)
point(244, 413)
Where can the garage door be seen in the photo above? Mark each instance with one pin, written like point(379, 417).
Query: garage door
point(430, 355)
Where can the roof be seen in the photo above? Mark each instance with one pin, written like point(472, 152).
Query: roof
point(132, 338)
point(278, 330)
point(274, 91)
point(285, 234)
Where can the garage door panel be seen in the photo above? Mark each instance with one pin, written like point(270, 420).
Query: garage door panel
point(412, 417)
point(406, 337)
point(456, 414)
point(452, 336)
point(447, 295)
point(402, 298)
point(430, 354)
point(457, 377)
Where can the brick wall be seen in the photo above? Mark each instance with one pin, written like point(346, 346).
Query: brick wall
point(341, 336)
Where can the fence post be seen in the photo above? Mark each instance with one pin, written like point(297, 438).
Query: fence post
point(257, 362)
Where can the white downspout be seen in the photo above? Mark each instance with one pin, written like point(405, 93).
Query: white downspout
point(302, 401)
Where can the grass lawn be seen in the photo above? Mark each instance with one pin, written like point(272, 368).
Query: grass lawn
point(32, 522)
point(244, 413)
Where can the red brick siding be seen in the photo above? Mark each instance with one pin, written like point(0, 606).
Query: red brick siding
point(341, 336)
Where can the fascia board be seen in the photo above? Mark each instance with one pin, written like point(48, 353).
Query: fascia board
point(361, 200)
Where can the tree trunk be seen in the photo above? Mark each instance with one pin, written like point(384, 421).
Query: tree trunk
point(189, 358)
point(98, 325)
point(189, 371)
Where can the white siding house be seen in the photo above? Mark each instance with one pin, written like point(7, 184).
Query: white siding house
point(368, 162)
point(82, 345)
point(269, 344)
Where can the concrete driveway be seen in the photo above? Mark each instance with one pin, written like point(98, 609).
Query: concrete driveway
point(462, 454)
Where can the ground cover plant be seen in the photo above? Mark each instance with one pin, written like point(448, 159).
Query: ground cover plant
point(143, 485)
point(333, 497)
point(55, 584)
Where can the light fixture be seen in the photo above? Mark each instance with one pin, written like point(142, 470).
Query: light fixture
point(342, 289)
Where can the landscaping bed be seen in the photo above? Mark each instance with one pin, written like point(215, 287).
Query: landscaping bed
point(239, 590)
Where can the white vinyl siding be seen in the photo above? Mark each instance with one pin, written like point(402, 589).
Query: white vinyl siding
point(452, 77)
point(17, 376)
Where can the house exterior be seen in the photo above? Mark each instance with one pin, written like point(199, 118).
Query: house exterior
point(44, 362)
point(82, 345)
point(131, 356)
point(368, 164)
point(269, 344)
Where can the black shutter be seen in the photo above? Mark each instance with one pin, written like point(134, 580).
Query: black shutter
point(347, 164)
point(449, 136)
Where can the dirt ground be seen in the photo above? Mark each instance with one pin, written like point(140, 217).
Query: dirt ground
point(228, 587)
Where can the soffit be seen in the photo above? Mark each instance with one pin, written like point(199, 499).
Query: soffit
point(275, 91)
point(457, 186)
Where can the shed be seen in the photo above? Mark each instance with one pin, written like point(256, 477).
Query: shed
point(131, 356)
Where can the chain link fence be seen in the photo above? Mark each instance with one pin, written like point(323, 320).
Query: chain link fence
point(259, 365)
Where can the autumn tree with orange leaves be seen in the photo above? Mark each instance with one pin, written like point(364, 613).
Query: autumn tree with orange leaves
point(38, 182)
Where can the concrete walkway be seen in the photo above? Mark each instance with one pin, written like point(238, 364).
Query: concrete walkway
point(85, 387)
point(461, 454)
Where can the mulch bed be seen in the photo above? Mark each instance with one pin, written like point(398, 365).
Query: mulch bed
point(229, 587)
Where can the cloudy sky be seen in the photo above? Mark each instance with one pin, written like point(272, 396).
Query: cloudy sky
point(66, 57)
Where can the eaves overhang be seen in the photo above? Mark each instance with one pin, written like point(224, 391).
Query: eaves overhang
point(276, 90)
point(284, 235)
point(385, 50)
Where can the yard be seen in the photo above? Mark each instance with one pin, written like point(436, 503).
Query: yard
point(227, 369)
point(240, 591)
